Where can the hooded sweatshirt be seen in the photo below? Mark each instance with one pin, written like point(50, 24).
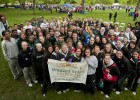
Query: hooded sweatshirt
point(114, 71)
point(92, 64)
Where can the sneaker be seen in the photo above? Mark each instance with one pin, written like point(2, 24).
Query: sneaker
point(16, 78)
point(134, 93)
point(102, 92)
point(117, 92)
point(125, 88)
point(44, 95)
point(77, 90)
point(67, 90)
point(30, 85)
point(106, 96)
point(35, 81)
point(59, 92)
point(64, 91)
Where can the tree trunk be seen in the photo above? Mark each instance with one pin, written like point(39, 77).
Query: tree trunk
point(20, 4)
point(34, 7)
point(83, 6)
point(6, 5)
point(138, 5)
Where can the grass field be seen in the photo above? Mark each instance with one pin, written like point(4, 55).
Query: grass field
point(18, 90)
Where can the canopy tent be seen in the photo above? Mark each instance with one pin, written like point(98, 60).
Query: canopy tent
point(67, 5)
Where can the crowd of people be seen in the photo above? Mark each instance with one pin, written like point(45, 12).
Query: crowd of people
point(112, 54)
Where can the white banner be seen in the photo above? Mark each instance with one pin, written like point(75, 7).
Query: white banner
point(61, 71)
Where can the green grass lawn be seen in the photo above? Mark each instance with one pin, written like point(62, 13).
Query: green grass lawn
point(18, 90)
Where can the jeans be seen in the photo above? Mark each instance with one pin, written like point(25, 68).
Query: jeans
point(15, 69)
point(29, 74)
point(133, 82)
point(120, 82)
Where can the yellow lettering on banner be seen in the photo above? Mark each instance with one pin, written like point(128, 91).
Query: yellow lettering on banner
point(66, 65)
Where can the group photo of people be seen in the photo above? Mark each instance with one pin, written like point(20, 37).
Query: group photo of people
point(112, 53)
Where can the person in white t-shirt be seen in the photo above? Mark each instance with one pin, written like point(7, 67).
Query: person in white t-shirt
point(28, 25)
point(44, 25)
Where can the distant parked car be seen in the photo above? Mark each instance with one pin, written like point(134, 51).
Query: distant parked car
point(2, 6)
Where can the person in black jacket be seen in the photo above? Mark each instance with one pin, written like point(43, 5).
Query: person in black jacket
point(134, 78)
point(19, 41)
point(120, 46)
point(124, 66)
point(46, 76)
point(115, 16)
point(63, 55)
point(110, 15)
point(91, 44)
point(37, 62)
point(24, 60)
point(55, 53)
point(99, 72)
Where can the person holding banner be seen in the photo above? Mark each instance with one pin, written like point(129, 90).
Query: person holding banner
point(55, 53)
point(110, 75)
point(63, 55)
point(92, 65)
point(77, 58)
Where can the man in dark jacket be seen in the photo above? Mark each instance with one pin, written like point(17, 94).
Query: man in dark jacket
point(110, 15)
point(37, 62)
point(19, 41)
point(124, 66)
point(24, 59)
point(115, 16)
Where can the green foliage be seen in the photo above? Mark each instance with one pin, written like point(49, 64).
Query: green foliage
point(4, 1)
point(93, 2)
point(73, 2)
point(116, 1)
point(123, 2)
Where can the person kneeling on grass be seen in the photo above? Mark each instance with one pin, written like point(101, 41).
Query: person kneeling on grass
point(24, 59)
point(110, 77)
point(134, 78)
point(124, 66)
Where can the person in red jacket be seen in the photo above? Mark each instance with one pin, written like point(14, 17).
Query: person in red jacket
point(110, 77)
